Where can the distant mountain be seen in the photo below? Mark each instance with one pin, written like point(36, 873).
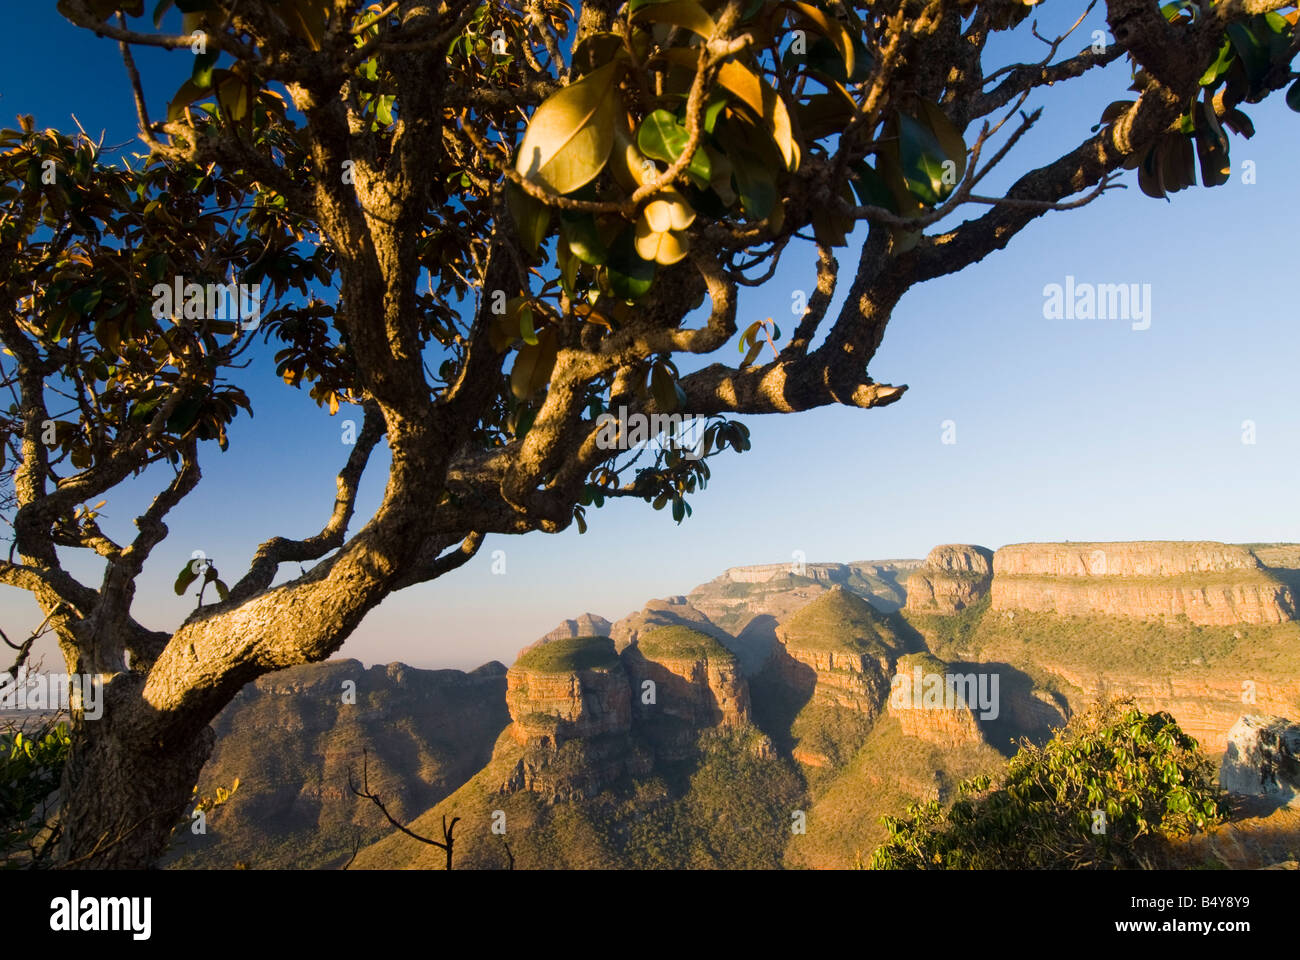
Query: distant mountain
point(755, 722)
point(291, 737)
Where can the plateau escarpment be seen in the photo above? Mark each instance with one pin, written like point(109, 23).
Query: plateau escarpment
point(953, 577)
point(1208, 583)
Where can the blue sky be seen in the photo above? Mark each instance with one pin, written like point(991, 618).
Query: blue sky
point(1065, 429)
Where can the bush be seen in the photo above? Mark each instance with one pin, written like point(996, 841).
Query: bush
point(30, 769)
point(1107, 792)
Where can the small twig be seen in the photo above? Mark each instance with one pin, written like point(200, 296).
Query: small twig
point(364, 791)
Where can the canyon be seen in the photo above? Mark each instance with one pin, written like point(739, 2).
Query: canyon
point(620, 739)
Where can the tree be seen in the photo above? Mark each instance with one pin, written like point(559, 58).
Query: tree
point(1107, 791)
point(487, 227)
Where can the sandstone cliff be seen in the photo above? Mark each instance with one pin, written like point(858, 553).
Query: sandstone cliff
point(586, 715)
point(946, 720)
point(954, 577)
point(840, 650)
point(1205, 703)
point(571, 710)
point(1209, 583)
point(683, 681)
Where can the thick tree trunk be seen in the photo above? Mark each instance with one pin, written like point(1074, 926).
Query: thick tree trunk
point(124, 790)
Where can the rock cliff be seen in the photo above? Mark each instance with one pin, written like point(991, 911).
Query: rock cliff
point(840, 650)
point(1209, 583)
point(668, 612)
point(953, 577)
point(682, 682)
point(571, 710)
point(1204, 703)
point(945, 719)
point(587, 716)
point(1262, 759)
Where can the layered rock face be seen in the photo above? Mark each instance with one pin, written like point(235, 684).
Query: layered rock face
point(1213, 584)
point(587, 716)
point(930, 706)
point(550, 709)
point(954, 577)
point(839, 650)
point(682, 682)
point(571, 710)
point(1204, 704)
point(766, 572)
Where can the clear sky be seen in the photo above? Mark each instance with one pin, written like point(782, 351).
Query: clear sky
point(1065, 428)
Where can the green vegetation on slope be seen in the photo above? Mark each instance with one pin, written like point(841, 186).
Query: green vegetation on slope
point(735, 813)
point(679, 642)
point(569, 654)
point(291, 741)
point(831, 732)
point(727, 809)
point(1164, 647)
point(842, 621)
point(887, 772)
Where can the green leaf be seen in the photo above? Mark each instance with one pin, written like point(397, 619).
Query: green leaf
point(1220, 65)
point(921, 160)
point(533, 365)
point(1254, 57)
point(232, 97)
point(663, 138)
point(766, 103)
point(1293, 97)
point(678, 13)
point(629, 275)
point(183, 579)
point(532, 218)
point(201, 76)
point(579, 231)
point(755, 185)
point(86, 299)
point(526, 324)
point(835, 32)
point(871, 188)
point(570, 136)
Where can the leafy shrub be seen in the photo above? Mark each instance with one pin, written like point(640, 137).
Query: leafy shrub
point(30, 769)
point(1149, 780)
